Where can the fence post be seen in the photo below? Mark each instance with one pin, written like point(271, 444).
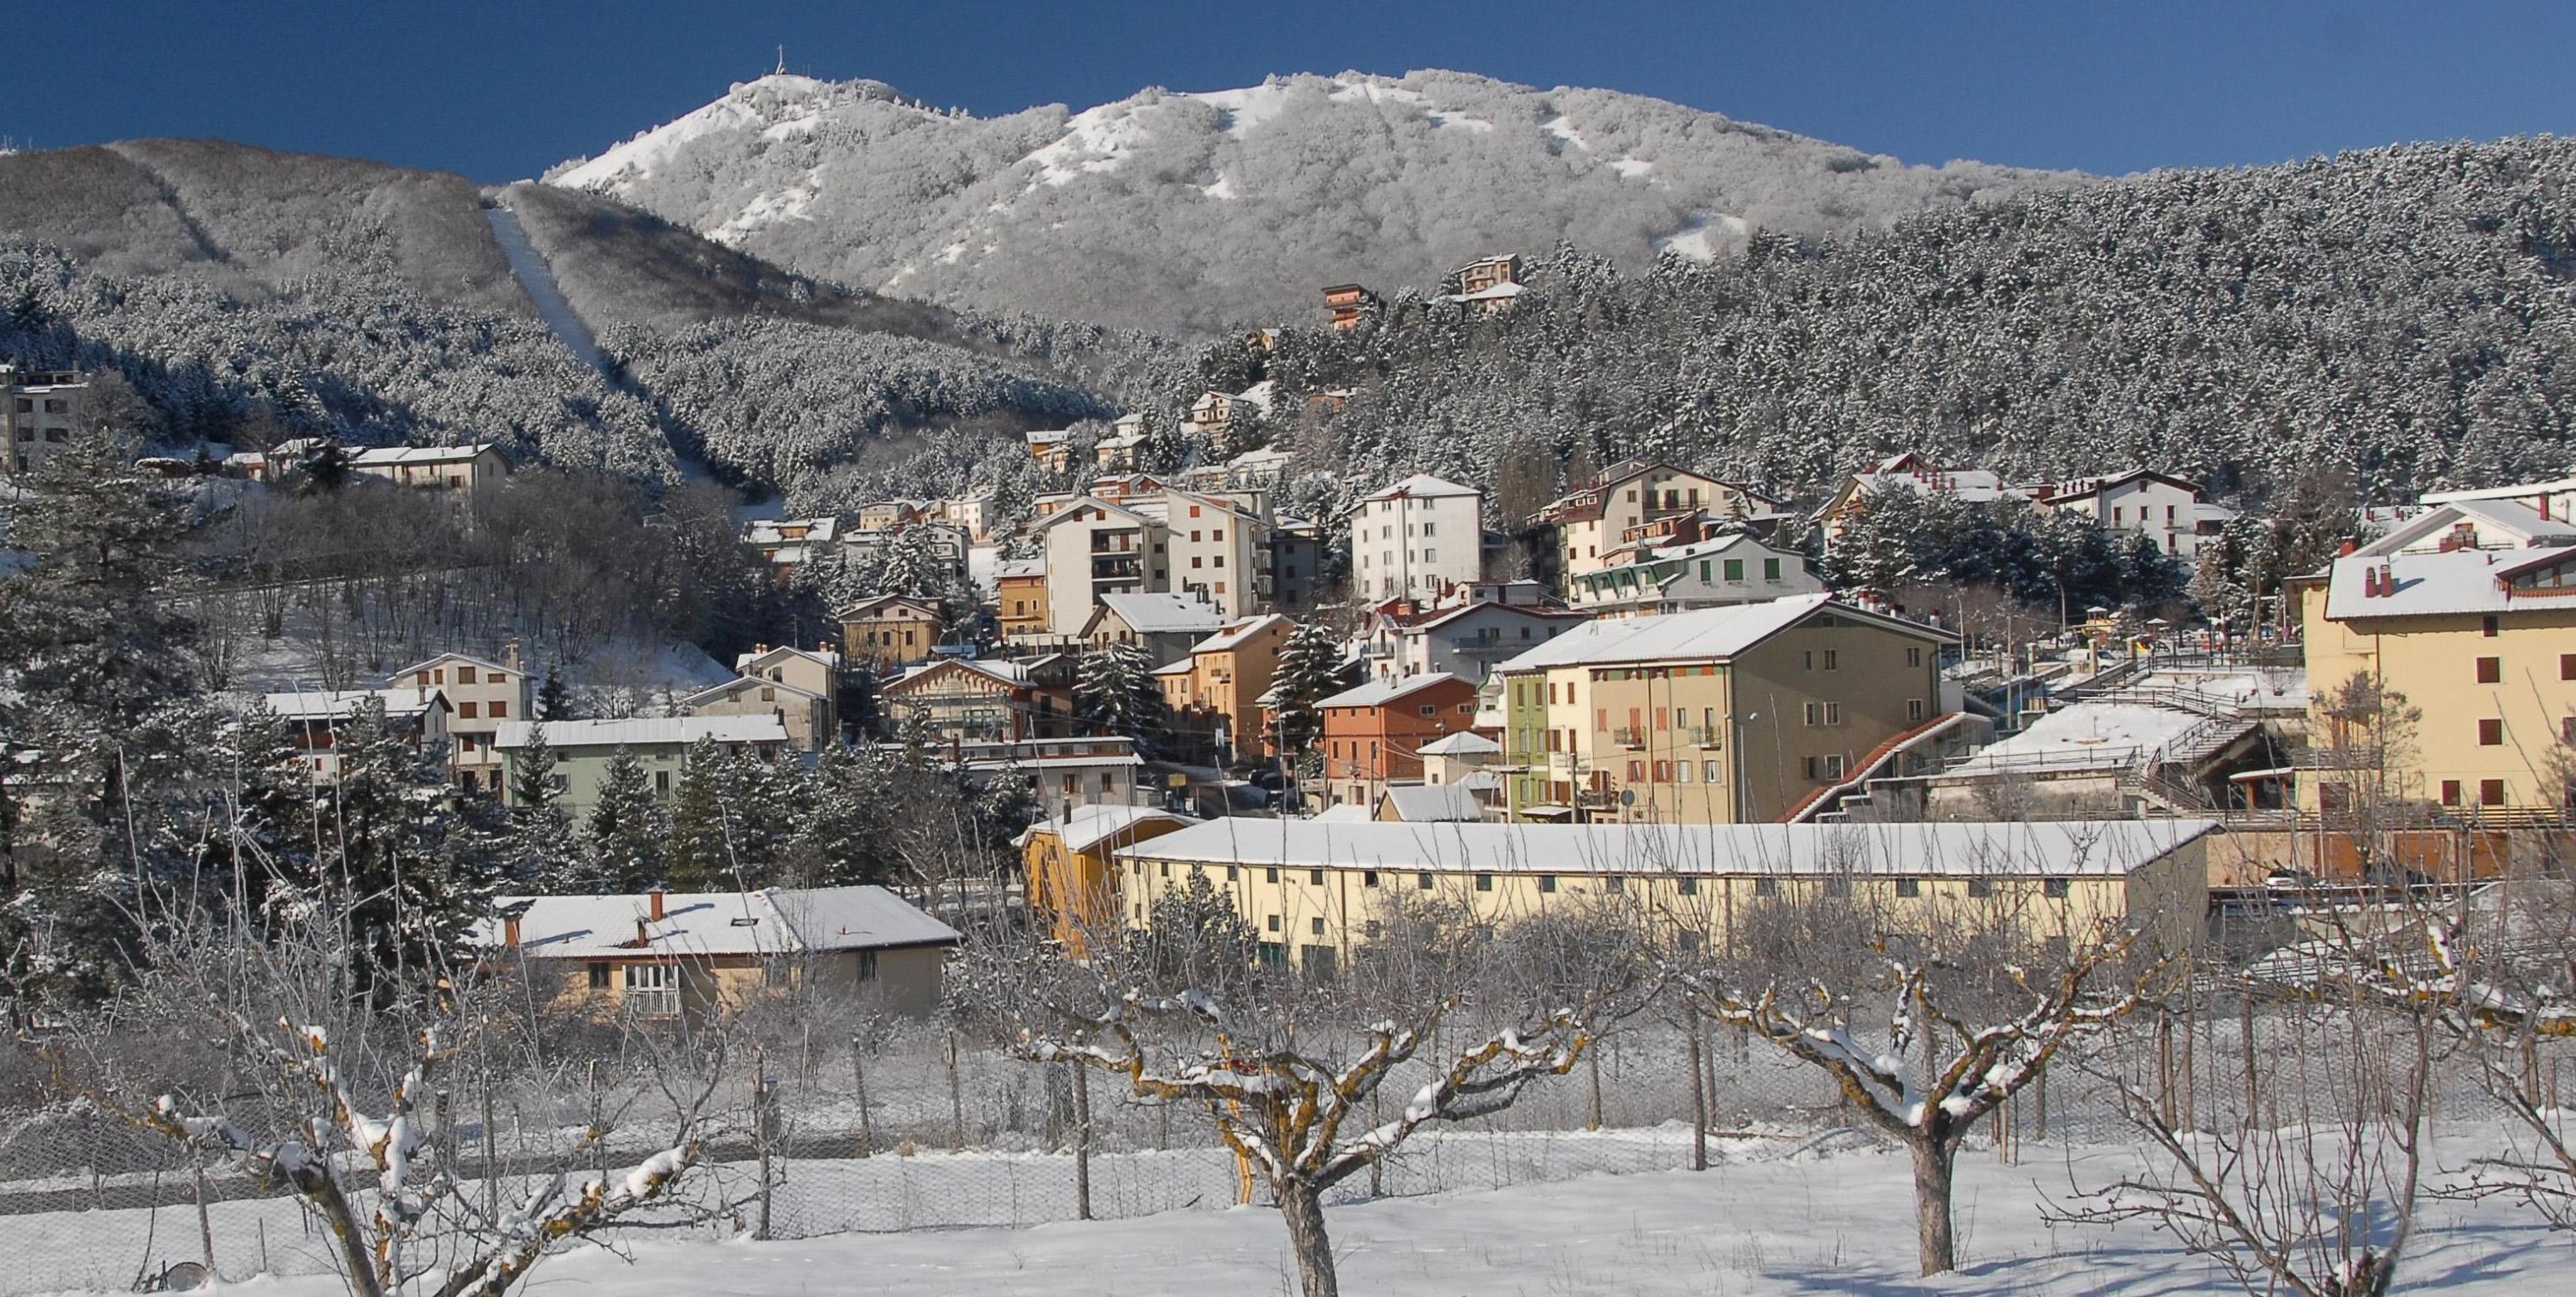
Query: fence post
point(2253, 1090)
point(1081, 1141)
point(2164, 1068)
point(1699, 1099)
point(859, 1082)
point(205, 1223)
point(760, 1132)
point(1592, 1057)
point(956, 1101)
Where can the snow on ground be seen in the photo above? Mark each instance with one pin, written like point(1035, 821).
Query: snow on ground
point(2085, 736)
point(760, 102)
point(1562, 127)
point(1707, 235)
point(1789, 1227)
point(1095, 139)
point(1249, 106)
point(1631, 168)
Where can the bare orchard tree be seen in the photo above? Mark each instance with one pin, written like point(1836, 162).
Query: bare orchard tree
point(1975, 1007)
point(343, 1103)
point(1291, 1087)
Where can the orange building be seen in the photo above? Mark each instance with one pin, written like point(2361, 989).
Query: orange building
point(1020, 599)
point(1373, 735)
point(1071, 876)
point(1218, 688)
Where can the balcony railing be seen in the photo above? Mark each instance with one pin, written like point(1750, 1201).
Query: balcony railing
point(1627, 737)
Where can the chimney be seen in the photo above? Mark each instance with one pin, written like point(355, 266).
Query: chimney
point(510, 655)
point(510, 932)
point(2369, 583)
point(655, 896)
point(2346, 549)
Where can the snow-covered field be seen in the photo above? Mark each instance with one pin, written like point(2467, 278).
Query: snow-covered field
point(1760, 1223)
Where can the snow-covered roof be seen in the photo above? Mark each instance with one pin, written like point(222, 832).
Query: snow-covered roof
point(1420, 486)
point(1704, 634)
point(746, 663)
point(713, 692)
point(2515, 491)
point(641, 732)
point(1378, 693)
point(340, 704)
point(773, 531)
point(388, 456)
point(2496, 524)
point(1464, 743)
point(2430, 585)
point(1180, 668)
point(1019, 567)
point(774, 921)
point(2059, 849)
point(1343, 813)
point(1154, 613)
point(1090, 825)
point(2086, 736)
point(1234, 636)
point(444, 658)
point(1433, 803)
point(1504, 291)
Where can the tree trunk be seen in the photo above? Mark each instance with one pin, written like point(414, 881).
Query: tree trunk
point(1699, 1104)
point(1302, 1206)
point(1932, 1166)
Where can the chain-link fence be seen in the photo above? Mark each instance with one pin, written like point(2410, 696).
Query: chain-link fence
point(924, 1129)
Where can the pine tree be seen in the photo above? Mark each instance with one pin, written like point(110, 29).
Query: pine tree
point(554, 702)
point(532, 771)
point(1309, 670)
point(626, 829)
point(701, 856)
point(1114, 690)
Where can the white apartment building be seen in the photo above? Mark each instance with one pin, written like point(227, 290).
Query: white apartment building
point(1208, 547)
point(482, 695)
point(1418, 537)
point(2140, 502)
point(1708, 574)
point(39, 409)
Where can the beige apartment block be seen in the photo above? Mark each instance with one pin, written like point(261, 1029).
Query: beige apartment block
point(483, 695)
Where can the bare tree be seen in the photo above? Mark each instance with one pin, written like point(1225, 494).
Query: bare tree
point(1966, 1028)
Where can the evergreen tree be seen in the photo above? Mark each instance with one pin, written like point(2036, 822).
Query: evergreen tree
point(554, 702)
point(1195, 937)
point(1114, 690)
point(847, 837)
point(1309, 670)
point(532, 771)
point(701, 856)
point(626, 829)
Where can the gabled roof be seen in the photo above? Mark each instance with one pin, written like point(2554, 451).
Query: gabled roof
point(1070, 508)
point(1420, 486)
point(644, 731)
point(2513, 491)
point(746, 663)
point(1378, 693)
point(2512, 519)
point(1703, 635)
point(386, 456)
point(468, 659)
point(1236, 635)
point(775, 921)
point(2076, 488)
point(341, 704)
point(2432, 585)
point(1019, 568)
point(737, 686)
point(2086, 849)
point(1155, 613)
point(1464, 743)
point(1090, 825)
point(1432, 803)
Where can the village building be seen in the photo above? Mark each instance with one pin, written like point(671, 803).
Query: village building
point(1597, 525)
point(1374, 733)
point(1164, 625)
point(1216, 690)
point(1020, 600)
point(809, 718)
point(985, 700)
point(43, 411)
point(789, 543)
point(1428, 804)
point(1319, 894)
point(1727, 569)
point(1487, 285)
point(1062, 772)
point(317, 719)
point(1466, 635)
point(1347, 306)
point(1910, 471)
point(1068, 867)
point(1418, 537)
point(2553, 500)
point(889, 631)
point(1296, 563)
point(2141, 502)
point(2491, 524)
point(1052, 449)
point(583, 750)
point(468, 469)
point(701, 956)
point(2481, 643)
point(481, 695)
point(1724, 715)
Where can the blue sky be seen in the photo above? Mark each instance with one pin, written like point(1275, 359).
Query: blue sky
point(501, 90)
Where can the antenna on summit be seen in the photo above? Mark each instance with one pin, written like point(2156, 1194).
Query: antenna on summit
point(782, 61)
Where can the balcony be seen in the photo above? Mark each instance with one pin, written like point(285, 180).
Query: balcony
point(1628, 737)
point(1561, 763)
point(1697, 736)
point(1117, 568)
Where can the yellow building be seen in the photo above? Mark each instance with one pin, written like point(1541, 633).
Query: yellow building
point(1718, 716)
point(1067, 864)
point(2482, 643)
point(1319, 892)
point(699, 955)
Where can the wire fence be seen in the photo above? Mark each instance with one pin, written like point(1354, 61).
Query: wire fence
point(922, 1129)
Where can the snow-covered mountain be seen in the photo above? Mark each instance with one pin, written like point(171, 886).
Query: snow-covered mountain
point(1201, 211)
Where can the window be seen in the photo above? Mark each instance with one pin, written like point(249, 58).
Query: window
point(661, 783)
point(1914, 655)
point(2490, 733)
point(1815, 713)
point(2487, 627)
point(1981, 887)
point(465, 711)
point(1613, 884)
point(1708, 772)
point(1766, 885)
point(2490, 671)
point(497, 678)
point(1375, 929)
point(1735, 569)
point(1687, 887)
point(653, 990)
point(1270, 875)
point(1663, 772)
point(1770, 569)
point(1484, 882)
point(599, 977)
point(1682, 771)
point(1316, 925)
point(465, 675)
point(1833, 713)
point(2567, 730)
point(1833, 660)
point(1909, 887)
point(1834, 766)
point(1637, 772)
point(1369, 879)
point(1429, 709)
point(2054, 889)
point(2567, 666)
point(1315, 877)
point(2450, 792)
point(1229, 873)
point(500, 708)
point(1913, 709)
point(1547, 882)
point(2490, 792)
point(1274, 923)
point(1422, 882)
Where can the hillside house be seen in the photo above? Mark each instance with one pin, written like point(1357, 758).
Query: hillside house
point(584, 749)
point(1217, 688)
point(1462, 637)
point(1910, 471)
point(42, 411)
point(316, 720)
point(481, 695)
point(700, 956)
point(984, 700)
point(1020, 599)
point(1419, 537)
point(810, 719)
point(1724, 715)
point(466, 469)
point(1728, 569)
point(2141, 502)
point(1347, 306)
point(889, 631)
point(1165, 625)
point(1488, 285)
point(1374, 733)
point(1599, 524)
point(788, 543)
point(1052, 448)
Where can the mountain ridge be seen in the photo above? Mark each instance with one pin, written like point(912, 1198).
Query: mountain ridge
point(1199, 211)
